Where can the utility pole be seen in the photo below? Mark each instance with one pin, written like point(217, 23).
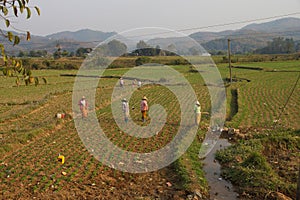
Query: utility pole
point(229, 61)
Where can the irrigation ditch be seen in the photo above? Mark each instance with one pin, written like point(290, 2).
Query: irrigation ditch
point(219, 188)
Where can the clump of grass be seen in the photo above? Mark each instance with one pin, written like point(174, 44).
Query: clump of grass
point(182, 172)
point(5, 148)
point(246, 164)
point(256, 161)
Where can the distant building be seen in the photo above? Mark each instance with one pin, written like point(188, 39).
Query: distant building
point(205, 54)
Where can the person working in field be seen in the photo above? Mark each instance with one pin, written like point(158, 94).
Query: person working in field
point(134, 83)
point(144, 108)
point(125, 109)
point(122, 82)
point(83, 105)
point(139, 83)
point(197, 112)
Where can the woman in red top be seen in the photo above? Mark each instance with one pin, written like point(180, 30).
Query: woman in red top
point(144, 108)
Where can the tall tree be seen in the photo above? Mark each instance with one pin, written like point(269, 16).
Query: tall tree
point(143, 49)
point(82, 52)
point(278, 45)
point(142, 45)
point(116, 48)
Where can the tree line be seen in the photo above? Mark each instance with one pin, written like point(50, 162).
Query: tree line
point(113, 48)
point(280, 45)
point(116, 48)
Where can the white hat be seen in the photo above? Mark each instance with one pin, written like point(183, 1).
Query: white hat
point(124, 99)
point(197, 103)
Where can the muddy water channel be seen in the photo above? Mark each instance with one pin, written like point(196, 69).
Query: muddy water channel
point(219, 188)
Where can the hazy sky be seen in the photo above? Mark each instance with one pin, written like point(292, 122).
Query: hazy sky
point(122, 15)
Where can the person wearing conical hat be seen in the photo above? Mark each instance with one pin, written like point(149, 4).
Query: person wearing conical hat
point(197, 112)
point(125, 109)
point(83, 105)
point(144, 108)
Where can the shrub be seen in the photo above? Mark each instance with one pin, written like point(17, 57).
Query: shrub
point(70, 66)
point(46, 63)
point(35, 66)
point(142, 60)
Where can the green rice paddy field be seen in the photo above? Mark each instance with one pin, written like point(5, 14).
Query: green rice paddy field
point(261, 99)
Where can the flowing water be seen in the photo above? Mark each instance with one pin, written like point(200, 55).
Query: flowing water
point(219, 188)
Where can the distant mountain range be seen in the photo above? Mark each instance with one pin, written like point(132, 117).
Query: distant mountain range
point(84, 35)
point(246, 39)
point(66, 40)
point(250, 37)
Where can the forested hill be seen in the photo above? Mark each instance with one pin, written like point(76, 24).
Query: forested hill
point(251, 38)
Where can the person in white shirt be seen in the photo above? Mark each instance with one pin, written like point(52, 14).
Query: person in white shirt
point(83, 105)
point(125, 109)
point(197, 111)
point(121, 82)
point(139, 83)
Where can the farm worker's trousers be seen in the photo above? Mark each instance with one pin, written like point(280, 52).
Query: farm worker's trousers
point(144, 115)
point(197, 118)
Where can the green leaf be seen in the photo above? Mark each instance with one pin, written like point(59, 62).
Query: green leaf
point(28, 12)
point(20, 3)
point(21, 6)
point(4, 71)
point(37, 10)
point(28, 37)
point(7, 22)
point(18, 81)
point(5, 11)
point(36, 81)
point(21, 9)
point(9, 73)
point(2, 49)
point(29, 73)
point(10, 36)
point(17, 40)
point(15, 10)
point(45, 80)
point(20, 70)
point(5, 59)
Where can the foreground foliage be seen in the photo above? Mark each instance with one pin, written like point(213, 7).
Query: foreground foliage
point(267, 163)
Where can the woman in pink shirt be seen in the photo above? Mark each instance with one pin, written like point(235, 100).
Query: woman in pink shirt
point(144, 108)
